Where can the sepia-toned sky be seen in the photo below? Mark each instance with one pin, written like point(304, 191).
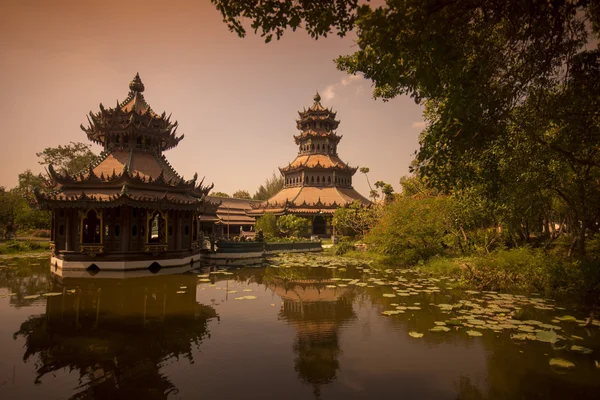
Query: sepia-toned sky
point(236, 100)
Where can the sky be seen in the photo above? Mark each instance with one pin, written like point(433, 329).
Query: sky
point(236, 99)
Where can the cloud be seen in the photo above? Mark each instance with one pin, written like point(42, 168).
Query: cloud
point(419, 124)
point(331, 90)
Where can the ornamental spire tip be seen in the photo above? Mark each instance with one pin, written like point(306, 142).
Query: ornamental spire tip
point(317, 97)
point(136, 84)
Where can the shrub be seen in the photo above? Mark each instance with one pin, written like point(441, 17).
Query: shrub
point(292, 225)
point(342, 248)
point(268, 225)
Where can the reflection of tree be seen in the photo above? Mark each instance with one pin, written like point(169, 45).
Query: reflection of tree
point(317, 312)
point(118, 333)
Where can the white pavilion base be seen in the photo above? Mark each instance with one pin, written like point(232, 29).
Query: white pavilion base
point(118, 269)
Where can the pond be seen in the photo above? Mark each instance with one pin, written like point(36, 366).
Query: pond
point(303, 326)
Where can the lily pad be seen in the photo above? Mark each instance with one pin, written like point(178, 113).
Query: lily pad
point(180, 291)
point(246, 298)
point(392, 312)
point(52, 294)
point(416, 335)
point(547, 336)
point(33, 296)
point(566, 318)
point(474, 333)
point(389, 295)
point(581, 349)
point(439, 328)
point(204, 280)
point(561, 363)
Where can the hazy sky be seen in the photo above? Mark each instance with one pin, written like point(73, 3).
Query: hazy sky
point(236, 100)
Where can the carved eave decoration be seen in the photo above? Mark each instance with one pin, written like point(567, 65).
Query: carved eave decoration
point(319, 167)
point(332, 136)
point(166, 201)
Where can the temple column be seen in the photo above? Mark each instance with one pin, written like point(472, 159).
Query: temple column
point(125, 228)
point(68, 231)
point(178, 231)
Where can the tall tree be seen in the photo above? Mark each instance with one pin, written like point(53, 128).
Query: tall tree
point(241, 194)
point(219, 194)
point(71, 158)
point(270, 188)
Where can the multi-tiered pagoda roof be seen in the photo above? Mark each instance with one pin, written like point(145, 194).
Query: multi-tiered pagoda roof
point(317, 181)
point(131, 169)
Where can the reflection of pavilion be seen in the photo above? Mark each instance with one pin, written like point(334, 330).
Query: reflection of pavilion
point(317, 313)
point(118, 333)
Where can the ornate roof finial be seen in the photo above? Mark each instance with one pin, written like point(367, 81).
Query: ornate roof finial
point(136, 84)
point(317, 97)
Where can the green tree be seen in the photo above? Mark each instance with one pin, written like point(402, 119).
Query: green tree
point(355, 217)
point(28, 181)
point(267, 223)
point(372, 193)
point(293, 225)
point(219, 194)
point(241, 194)
point(270, 188)
point(71, 158)
point(387, 191)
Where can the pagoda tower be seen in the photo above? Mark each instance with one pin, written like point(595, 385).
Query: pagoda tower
point(129, 209)
point(317, 182)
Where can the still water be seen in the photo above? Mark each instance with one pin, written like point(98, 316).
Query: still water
point(300, 328)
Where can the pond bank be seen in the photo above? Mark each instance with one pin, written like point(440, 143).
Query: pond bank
point(522, 270)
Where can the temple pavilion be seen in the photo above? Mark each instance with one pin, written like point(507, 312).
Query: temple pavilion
point(129, 209)
point(317, 182)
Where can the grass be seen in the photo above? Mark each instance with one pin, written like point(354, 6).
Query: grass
point(523, 270)
point(17, 246)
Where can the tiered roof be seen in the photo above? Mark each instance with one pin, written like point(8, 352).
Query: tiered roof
point(132, 118)
point(309, 200)
point(317, 113)
point(318, 162)
point(307, 197)
point(126, 173)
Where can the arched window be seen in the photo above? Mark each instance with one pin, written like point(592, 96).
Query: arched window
point(156, 228)
point(312, 146)
point(328, 179)
point(91, 228)
point(134, 230)
point(312, 179)
point(318, 180)
point(117, 231)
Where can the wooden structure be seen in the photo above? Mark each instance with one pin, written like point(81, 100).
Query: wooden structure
point(231, 217)
point(317, 182)
point(129, 209)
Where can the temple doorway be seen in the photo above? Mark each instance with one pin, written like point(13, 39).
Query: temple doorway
point(319, 225)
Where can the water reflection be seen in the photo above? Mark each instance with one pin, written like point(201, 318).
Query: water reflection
point(117, 334)
point(306, 333)
point(317, 313)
